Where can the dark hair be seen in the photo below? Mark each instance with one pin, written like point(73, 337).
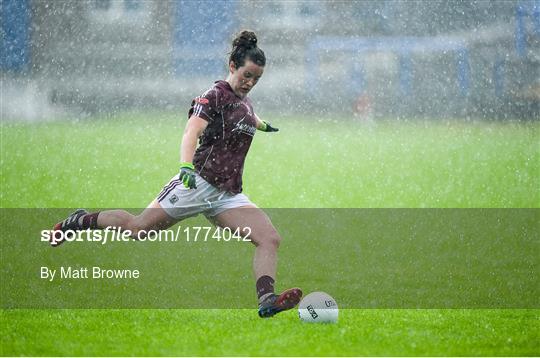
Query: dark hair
point(244, 47)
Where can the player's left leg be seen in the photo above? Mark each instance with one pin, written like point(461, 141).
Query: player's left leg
point(266, 240)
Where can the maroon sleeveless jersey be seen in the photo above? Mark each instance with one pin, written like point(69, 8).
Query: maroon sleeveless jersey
point(224, 144)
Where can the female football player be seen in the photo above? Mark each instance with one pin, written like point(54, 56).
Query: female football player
point(214, 146)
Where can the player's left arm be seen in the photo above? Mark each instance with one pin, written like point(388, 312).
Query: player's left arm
point(264, 126)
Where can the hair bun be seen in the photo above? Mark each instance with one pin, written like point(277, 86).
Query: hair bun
point(244, 47)
point(246, 39)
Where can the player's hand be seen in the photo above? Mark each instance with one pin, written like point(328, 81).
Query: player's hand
point(268, 127)
point(187, 175)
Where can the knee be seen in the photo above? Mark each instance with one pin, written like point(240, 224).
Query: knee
point(135, 228)
point(270, 239)
point(275, 240)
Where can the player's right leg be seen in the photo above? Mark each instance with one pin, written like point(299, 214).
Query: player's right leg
point(173, 203)
point(153, 217)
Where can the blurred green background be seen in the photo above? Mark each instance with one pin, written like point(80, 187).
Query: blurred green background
point(312, 162)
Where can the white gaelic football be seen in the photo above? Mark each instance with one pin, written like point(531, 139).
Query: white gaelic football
point(318, 307)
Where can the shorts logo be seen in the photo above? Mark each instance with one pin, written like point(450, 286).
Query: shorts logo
point(201, 100)
point(173, 199)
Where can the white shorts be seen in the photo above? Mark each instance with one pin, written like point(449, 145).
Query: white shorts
point(180, 202)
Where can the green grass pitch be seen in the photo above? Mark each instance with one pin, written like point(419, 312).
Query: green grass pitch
point(311, 163)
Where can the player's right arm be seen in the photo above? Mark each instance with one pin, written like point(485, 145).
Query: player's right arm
point(194, 128)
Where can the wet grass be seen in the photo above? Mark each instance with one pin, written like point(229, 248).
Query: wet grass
point(310, 163)
point(241, 333)
point(124, 162)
